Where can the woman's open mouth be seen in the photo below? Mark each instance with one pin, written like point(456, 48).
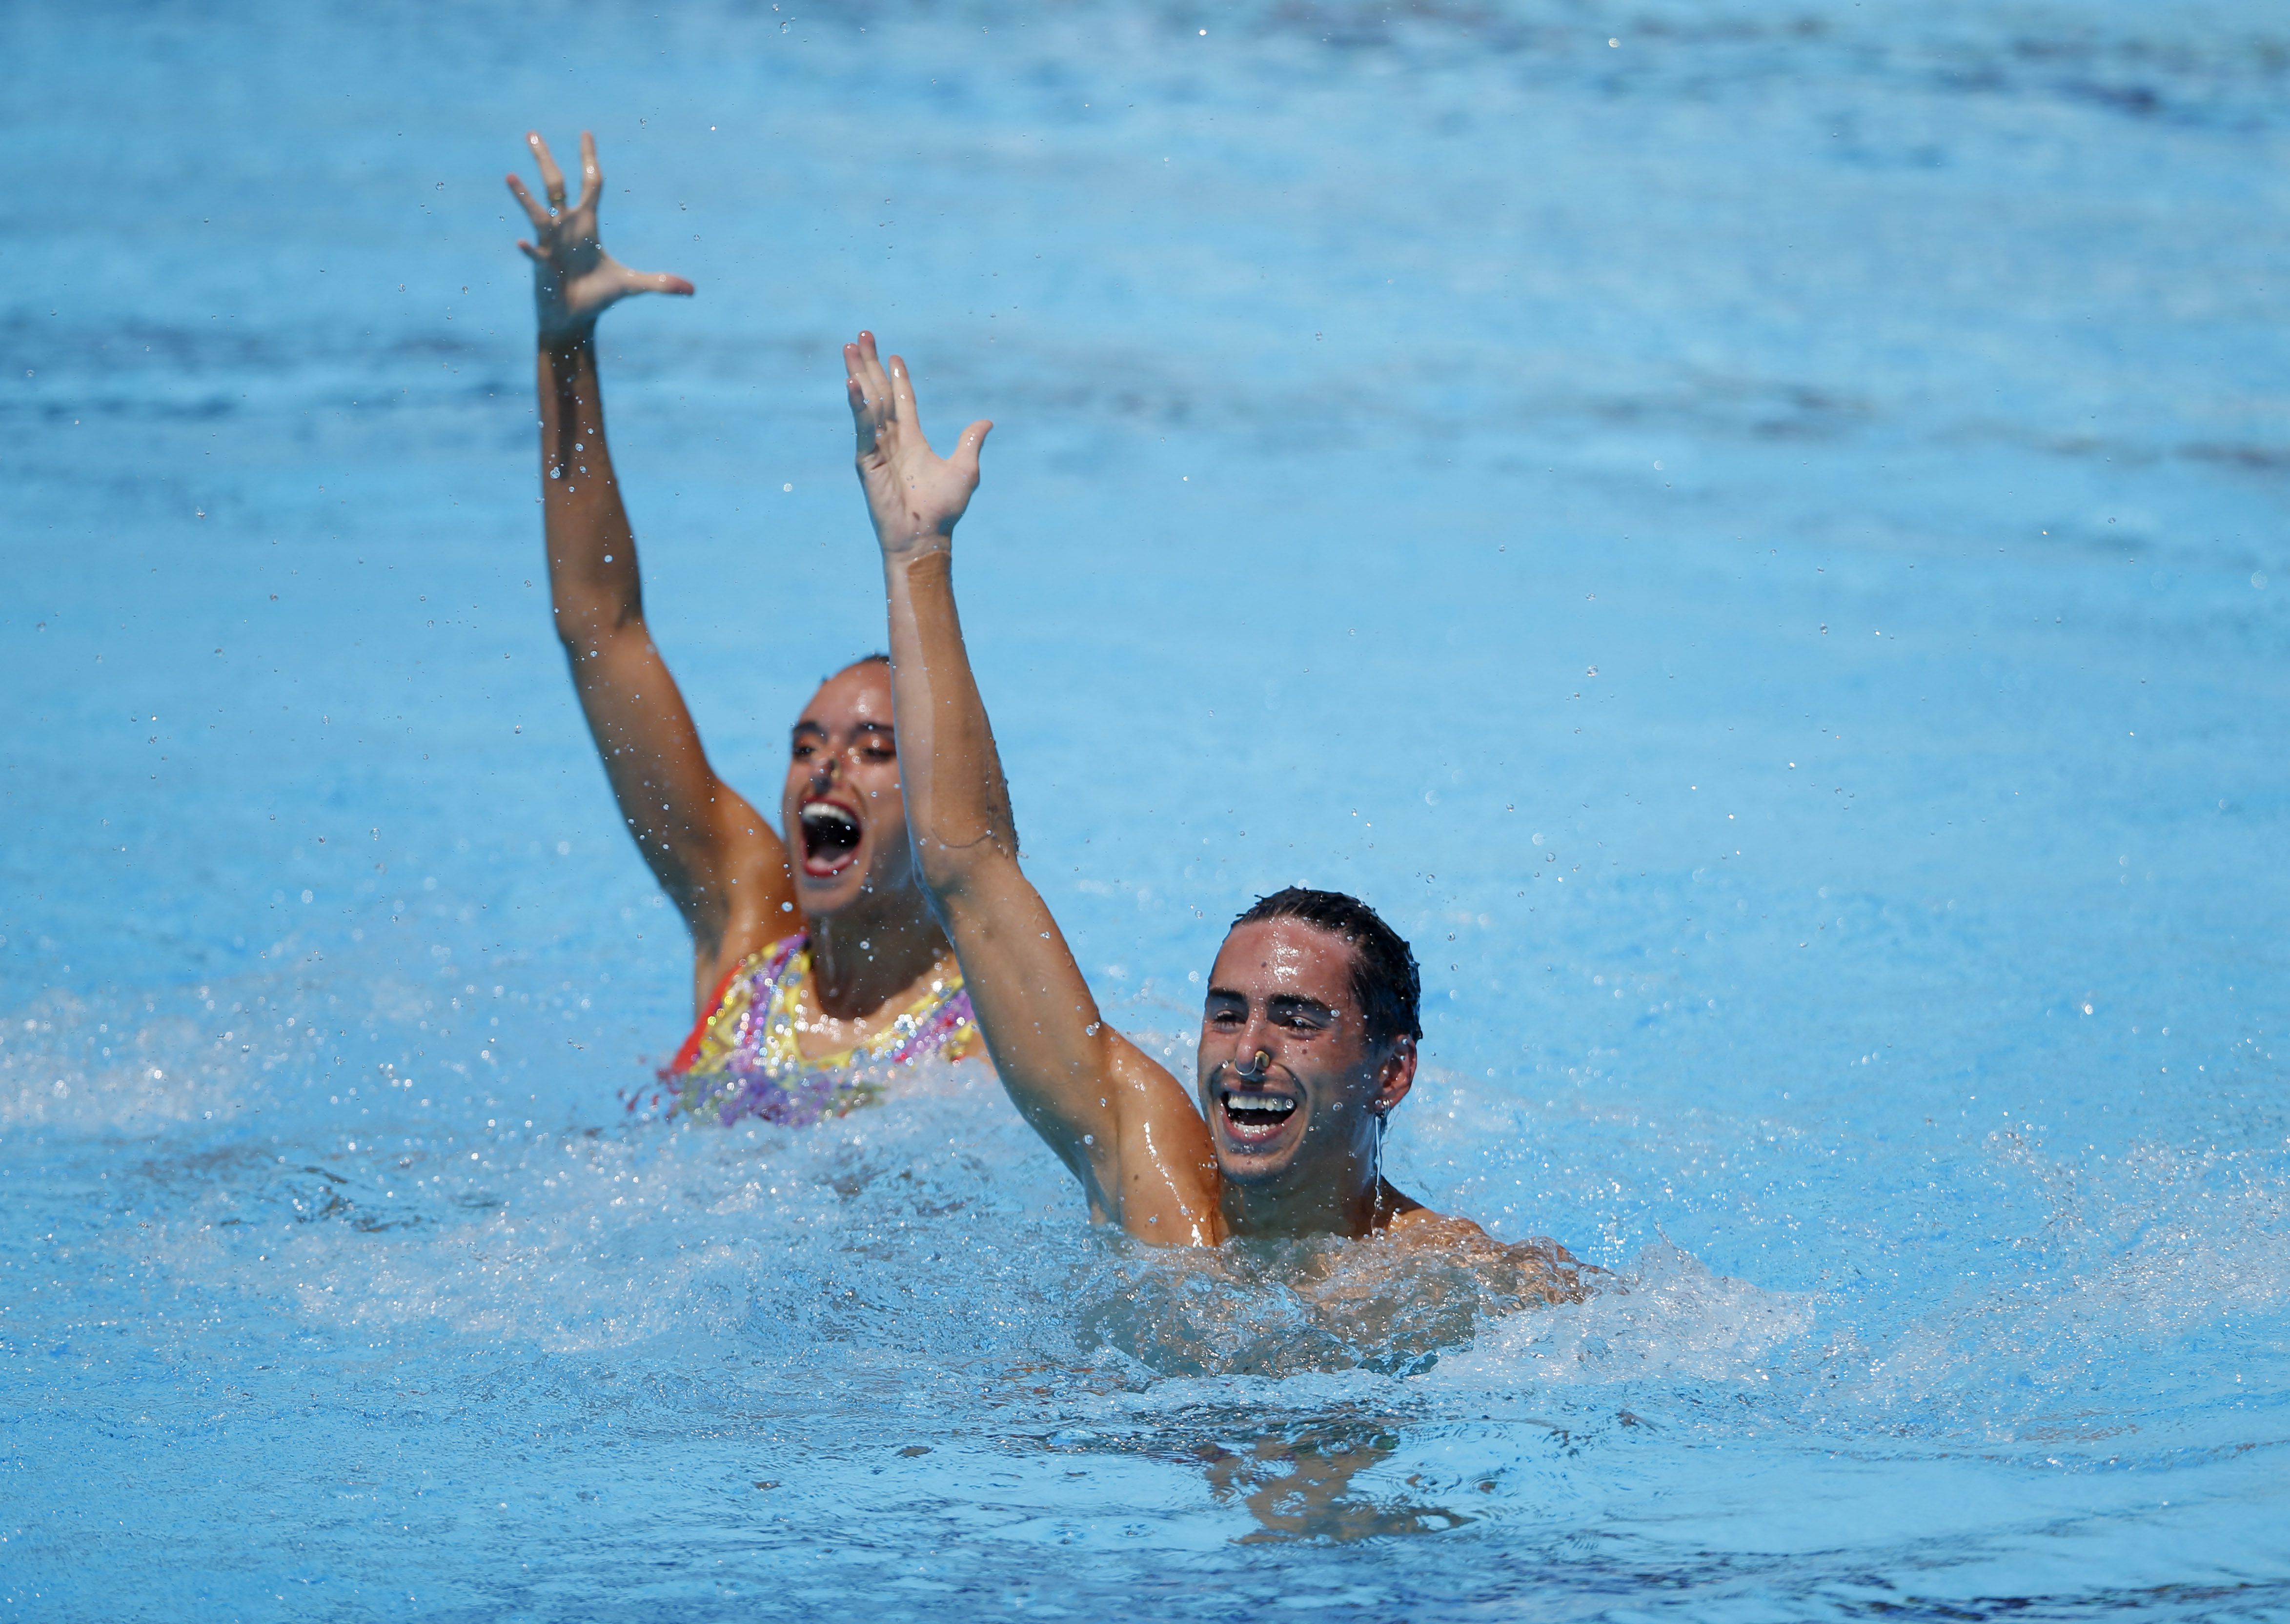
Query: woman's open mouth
point(830, 839)
point(1252, 1117)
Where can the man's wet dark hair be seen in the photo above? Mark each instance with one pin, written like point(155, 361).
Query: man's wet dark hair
point(1384, 978)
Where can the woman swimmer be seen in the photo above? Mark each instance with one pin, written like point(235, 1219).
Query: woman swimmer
point(814, 978)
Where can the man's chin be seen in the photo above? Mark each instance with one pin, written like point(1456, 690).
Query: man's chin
point(1254, 1168)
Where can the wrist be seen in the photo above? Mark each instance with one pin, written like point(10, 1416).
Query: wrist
point(908, 546)
point(568, 339)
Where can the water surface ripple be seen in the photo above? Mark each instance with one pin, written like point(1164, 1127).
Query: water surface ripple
point(1754, 531)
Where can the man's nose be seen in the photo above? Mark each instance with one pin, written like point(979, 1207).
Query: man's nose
point(1256, 1050)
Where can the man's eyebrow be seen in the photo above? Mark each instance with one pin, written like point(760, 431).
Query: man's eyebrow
point(1292, 1003)
point(809, 726)
point(1227, 996)
point(871, 727)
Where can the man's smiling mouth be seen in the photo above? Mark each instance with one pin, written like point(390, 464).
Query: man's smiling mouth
point(1253, 1118)
point(830, 839)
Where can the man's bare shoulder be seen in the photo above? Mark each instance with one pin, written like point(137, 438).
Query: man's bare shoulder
point(1419, 1226)
point(1537, 1265)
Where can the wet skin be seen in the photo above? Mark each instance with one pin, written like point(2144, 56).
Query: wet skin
point(1293, 1093)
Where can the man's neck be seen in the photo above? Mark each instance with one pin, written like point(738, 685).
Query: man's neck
point(865, 956)
point(1354, 1202)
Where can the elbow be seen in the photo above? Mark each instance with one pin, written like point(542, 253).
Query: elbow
point(585, 628)
point(579, 640)
point(952, 871)
point(946, 871)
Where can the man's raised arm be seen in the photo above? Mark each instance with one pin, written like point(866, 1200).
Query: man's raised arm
point(1119, 1120)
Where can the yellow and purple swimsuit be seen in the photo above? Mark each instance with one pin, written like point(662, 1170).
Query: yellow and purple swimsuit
point(742, 1061)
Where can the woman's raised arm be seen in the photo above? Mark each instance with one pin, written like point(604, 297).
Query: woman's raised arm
point(723, 866)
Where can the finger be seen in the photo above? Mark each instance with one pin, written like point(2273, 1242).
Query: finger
point(592, 178)
point(870, 374)
point(552, 179)
point(902, 396)
point(533, 211)
point(533, 253)
point(647, 282)
point(967, 449)
point(862, 418)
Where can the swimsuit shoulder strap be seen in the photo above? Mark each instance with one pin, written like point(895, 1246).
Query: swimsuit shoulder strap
point(773, 964)
point(758, 976)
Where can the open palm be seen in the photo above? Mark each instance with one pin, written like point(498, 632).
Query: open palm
point(574, 280)
point(913, 494)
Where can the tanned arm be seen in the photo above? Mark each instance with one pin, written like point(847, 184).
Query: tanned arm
point(724, 867)
point(1117, 1118)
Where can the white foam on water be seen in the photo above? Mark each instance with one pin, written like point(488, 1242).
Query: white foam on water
point(1664, 1316)
point(79, 1067)
point(1750, 543)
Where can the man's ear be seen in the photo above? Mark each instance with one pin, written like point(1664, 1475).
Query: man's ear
point(1397, 1074)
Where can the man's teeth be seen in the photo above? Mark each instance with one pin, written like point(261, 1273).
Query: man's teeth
point(1257, 1105)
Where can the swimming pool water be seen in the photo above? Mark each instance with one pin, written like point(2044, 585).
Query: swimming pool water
point(1745, 528)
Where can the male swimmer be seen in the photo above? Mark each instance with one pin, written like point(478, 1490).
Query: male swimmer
point(815, 978)
point(1309, 1031)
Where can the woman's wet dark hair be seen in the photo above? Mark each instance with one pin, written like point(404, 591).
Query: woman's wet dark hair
point(1384, 978)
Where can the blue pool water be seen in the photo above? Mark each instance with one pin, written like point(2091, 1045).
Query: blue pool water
point(1755, 532)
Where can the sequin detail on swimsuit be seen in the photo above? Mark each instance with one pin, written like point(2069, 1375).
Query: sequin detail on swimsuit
point(742, 1059)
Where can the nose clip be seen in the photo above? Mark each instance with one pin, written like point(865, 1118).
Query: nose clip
point(1259, 1064)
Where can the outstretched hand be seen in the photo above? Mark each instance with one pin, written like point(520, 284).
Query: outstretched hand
point(574, 280)
point(914, 495)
